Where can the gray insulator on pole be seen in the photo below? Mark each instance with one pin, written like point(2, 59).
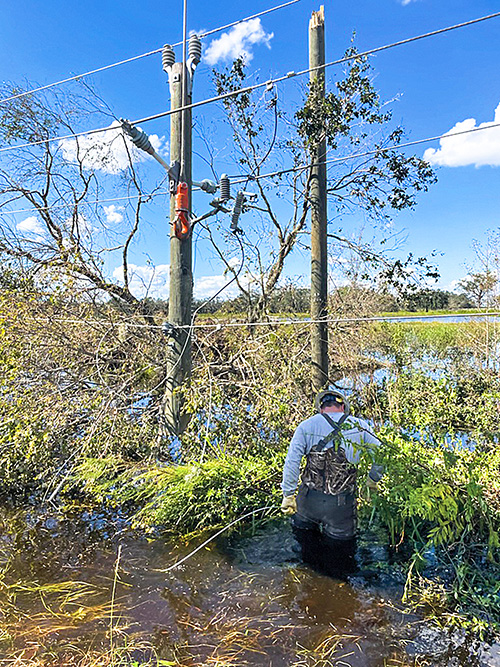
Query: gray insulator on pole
point(139, 137)
point(238, 205)
point(167, 57)
point(194, 49)
point(208, 186)
point(224, 188)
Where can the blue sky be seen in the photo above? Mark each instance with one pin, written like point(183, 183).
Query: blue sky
point(434, 84)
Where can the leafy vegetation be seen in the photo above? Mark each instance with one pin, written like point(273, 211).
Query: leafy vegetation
point(264, 138)
point(84, 359)
point(80, 403)
point(184, 498)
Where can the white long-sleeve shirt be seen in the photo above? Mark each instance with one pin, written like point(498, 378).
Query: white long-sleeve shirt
point(314, 429)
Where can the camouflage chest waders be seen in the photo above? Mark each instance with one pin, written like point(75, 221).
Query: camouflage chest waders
point(327, 494)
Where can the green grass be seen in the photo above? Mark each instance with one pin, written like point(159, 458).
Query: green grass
point(436, 336)
point(430, 313)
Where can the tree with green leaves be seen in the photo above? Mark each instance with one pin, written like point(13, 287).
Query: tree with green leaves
point(479, 286)
point(368, 173)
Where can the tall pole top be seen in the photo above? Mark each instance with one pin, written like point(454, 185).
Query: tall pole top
point(317, 18)
point(317, 45)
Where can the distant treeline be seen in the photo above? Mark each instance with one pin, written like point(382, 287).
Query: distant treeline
point(289, 298)
point(292, 299)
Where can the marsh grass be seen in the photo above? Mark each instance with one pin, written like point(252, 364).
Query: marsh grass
point(34, 615)
point(435, 337)
point(333, 649)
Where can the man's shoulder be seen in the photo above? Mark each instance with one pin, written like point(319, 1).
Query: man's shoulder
point(310, 422)
point(318, 420)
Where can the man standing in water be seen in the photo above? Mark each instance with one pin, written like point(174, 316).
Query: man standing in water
point(324, 510)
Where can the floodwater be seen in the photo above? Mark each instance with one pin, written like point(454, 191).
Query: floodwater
point(244, 600)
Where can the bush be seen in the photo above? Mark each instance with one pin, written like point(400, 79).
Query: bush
point(184, 498)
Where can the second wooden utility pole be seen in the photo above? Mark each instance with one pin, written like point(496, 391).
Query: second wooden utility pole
point(319, 246)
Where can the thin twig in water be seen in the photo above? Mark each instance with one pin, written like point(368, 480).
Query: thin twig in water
point(113, 592)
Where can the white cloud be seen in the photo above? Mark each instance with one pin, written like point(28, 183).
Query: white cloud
point(238, 42)
point(206, 286)
point(160, 144)
point(106, 151)
point(454, 285)
point(31, 225)
point(113, 215)
point(154, 281)
point(406, 2)
point(147, 280)
point(476, 148)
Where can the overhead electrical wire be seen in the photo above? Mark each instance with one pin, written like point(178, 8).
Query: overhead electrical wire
point(248, 89)
point(219, 532)
point(183, 91)
point(54, 207)
point(269, 323)
point(146, 196)
point(243, 178)
point(340, 61)
point(76, 77)
point(448, 135)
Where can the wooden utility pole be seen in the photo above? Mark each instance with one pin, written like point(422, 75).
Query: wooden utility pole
point(319, 247)
point(181, 276)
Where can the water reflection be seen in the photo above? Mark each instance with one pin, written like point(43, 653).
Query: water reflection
point(335, 558)
point(247, 600)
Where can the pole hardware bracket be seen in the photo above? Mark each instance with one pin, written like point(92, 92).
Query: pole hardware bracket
point(217, 208)
point(168, 329)
point(218, 204)
point(173, 177)
point(141, 140)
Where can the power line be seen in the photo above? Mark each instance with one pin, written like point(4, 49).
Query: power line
point(243, 178)
point(219, 532)
point(285, 322)
point(340, 61)
point(49, 140)
point(142, 55)
point(249, 18)
point(54, 207)
point(303, 322)
point(248, 89)
point(433, 33)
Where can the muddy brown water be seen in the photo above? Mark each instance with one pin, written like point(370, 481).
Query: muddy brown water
point(246, 599)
